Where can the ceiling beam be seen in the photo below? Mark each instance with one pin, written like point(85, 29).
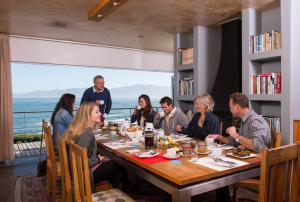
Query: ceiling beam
point(104, 8)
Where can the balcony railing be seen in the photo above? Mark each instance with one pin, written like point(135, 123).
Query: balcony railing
point(27, 128)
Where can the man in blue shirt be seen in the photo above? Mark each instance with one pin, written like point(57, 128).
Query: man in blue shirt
point(99, 94)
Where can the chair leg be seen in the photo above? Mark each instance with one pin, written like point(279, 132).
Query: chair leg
point(235, 192)
point(53, 190)
point(49, 183)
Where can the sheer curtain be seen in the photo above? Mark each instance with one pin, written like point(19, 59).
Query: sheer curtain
point(6, 122)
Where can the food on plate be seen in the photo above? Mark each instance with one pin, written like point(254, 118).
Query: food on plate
point(167, 142)
point(133, 128)
point(241, 153)
point(113, 128)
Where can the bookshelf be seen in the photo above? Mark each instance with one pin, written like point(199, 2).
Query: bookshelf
point(205, 44)
point(279, 17)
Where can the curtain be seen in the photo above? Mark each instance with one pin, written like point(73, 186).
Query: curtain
point(6, 115)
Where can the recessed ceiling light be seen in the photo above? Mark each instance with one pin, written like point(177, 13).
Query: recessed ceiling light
point(115, 3)
point(141, 36)
point(99, 15)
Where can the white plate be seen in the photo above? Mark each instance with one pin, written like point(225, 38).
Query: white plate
point(171, 157)
point(178, 136)
point(146, 155)
point(242, 157)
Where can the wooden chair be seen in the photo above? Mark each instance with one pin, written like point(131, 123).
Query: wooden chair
point(279, 174)
point(82, 183)
point(253, 184)
point(53, 167)
point(65, 172)
point(297, 136)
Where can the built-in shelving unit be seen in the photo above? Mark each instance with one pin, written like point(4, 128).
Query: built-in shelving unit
point(198, 75)
point(283, 104)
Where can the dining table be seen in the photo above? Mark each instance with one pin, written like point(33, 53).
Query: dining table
point(181, 178)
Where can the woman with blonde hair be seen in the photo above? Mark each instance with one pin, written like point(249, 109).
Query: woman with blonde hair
point(81, 132)
point(204, 121)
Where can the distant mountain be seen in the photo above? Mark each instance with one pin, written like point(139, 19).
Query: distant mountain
point(120, 92)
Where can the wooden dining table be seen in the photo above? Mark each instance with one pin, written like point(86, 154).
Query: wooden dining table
point(183, 179)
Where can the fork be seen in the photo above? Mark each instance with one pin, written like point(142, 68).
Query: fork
point(221, 160)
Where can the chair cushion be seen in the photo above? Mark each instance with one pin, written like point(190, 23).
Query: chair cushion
point(112, 195)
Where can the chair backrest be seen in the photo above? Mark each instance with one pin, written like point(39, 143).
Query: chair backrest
point(50, 155)
point(279, 174)
point(80, 173)
point(296, 131)
point(65, 172)
point(277, 140)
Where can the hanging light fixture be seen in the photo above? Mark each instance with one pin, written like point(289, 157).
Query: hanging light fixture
point(104, 8)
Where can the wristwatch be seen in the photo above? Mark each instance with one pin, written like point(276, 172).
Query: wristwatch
point(238, 138)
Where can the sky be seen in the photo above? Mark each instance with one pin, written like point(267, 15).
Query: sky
point(31, 77)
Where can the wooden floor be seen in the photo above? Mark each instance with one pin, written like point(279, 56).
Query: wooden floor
point(28, 166)
point(28, 149)
point(8, 176)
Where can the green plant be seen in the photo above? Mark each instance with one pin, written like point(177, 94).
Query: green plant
point(27, 138)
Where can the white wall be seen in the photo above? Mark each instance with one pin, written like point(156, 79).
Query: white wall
point(33, 50)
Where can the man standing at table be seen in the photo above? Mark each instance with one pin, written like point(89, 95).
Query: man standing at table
point(99, 94)
point(254, 133)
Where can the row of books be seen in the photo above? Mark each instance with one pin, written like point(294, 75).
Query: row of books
point(185, 56)
point(265, 42)
point(269, 83)
point(186, 86)
point(274, 123)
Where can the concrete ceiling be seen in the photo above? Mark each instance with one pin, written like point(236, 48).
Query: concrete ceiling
point(141, 24)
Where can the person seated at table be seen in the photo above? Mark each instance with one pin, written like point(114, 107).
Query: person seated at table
point(143, 112)
point(81, 132)
point(254, 132)
point(62, 116)
point(173, 120)
point(204, 122)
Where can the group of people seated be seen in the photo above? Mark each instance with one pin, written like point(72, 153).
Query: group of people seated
point(254, 133)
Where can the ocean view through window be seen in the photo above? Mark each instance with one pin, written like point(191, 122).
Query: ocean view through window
point(38, 87)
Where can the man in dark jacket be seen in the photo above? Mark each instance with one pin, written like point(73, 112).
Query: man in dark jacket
point(99, 94)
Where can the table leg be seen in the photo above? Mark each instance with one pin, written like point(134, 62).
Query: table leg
point(180, 196)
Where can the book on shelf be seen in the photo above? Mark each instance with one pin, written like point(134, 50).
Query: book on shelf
point(265, 42)
point(274, 123)
point(186, 86)
point(266, 83)
point(185, 56)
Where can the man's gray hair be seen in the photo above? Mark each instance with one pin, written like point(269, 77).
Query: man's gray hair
point(98, 77)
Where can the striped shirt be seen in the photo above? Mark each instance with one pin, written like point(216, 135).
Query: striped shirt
point(254, 127)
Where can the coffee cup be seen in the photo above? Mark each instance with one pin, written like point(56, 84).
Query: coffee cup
point(161, 114)
point(139, 107)
point(171, 152)
point(101, 102)
point(216, 152)
point(113, 133)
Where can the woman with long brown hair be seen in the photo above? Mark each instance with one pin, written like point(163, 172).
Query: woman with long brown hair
point(143, 112)
point(80, 131)
point(62, 116)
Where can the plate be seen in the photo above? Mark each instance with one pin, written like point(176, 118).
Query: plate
point(242, 157)
point(146, 155)
point(171, 157)
point(197, 152)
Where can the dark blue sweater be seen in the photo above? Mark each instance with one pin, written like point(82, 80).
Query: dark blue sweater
point(90, 96)
point(211, 125)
